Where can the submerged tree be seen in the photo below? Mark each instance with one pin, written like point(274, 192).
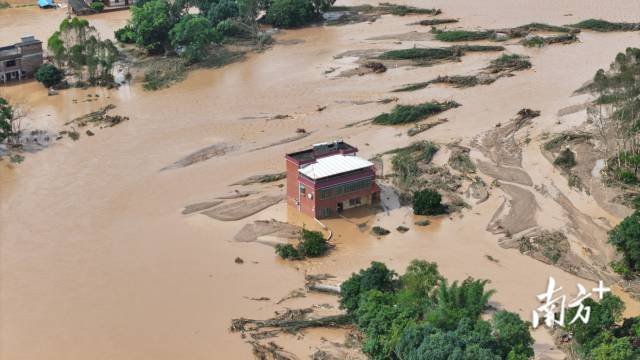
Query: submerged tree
point(77, 45)
point(194, 34)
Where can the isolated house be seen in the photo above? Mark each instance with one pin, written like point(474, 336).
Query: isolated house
point(329, 178)
point(20, 60)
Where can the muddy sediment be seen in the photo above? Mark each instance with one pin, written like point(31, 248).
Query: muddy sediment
point(122, 235)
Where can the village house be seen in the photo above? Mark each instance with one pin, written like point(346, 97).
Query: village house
point(20, 60)
point(329, 178)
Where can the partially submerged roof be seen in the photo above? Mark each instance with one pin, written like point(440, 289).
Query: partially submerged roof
point(334, 165)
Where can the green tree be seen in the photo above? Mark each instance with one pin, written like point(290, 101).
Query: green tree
point(376, 277)
point(459, 300)
point(604, 316)
point(313, 244)
point(625, 237)
point(6, 120)
point(194, 33)
point(290, 13)
point(427, 202)
point(49, 75)
point(222, 10)
point(152, 22)
point(513, 338)
point(125, 35)
point(614, 349)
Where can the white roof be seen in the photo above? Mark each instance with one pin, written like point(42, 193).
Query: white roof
point(333, 165)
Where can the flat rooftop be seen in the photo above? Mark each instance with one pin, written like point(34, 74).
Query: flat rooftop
point(310, 154)
point(334, 165)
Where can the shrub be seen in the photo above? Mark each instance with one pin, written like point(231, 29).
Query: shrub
point(566, 159)
point(287, 251)
point(49, 75)
point(97, 6)
point(380, 231)
point(402, 114)
point(427, 202)
point(313, 244)
point(290, 13)
point(125, 35)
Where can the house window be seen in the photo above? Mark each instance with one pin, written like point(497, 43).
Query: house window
point(354, 201)
point(325, 212)
point(302, 189)
point(10, 63)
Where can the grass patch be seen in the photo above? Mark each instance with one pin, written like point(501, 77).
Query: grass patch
point(4, 5)
point(462, 35)
point(403, 114)
point(606, 26)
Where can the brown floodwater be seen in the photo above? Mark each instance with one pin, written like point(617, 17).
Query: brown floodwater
point(96, 260)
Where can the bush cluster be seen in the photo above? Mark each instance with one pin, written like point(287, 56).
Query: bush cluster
point(427, 202)
point(312, 244)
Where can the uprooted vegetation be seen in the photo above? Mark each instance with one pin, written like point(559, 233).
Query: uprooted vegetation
point(409, 57)
point(342, 15)
point(414, 172)
point(434, 22)
point(426, 56)
point(606, 26)
point(545, 246)
point(540, 41)
point(503, 66)
point(403, 114)
point(499, 34)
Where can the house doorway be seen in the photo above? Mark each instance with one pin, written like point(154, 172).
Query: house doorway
point(340, 208)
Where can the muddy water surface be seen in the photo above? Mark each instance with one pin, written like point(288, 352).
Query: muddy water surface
point(97, 262)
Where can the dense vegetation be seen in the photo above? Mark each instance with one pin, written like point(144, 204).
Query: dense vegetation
point(312, 244)
point(6, 120)
point(616, 115)
point(606, 336)
point(419, 315)
point(77, 46)
point(427, 202)
point(49, 75)
point(403, 114)
point(624, 237)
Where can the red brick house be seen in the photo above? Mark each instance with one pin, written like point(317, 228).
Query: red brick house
point(329, 178)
